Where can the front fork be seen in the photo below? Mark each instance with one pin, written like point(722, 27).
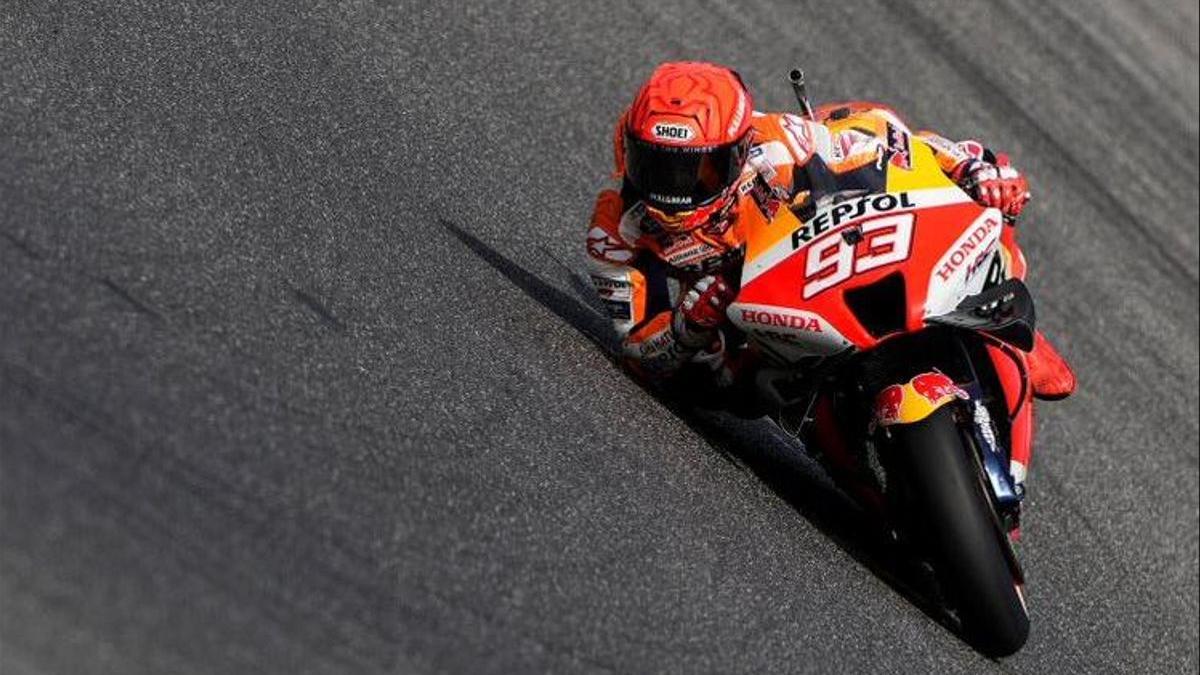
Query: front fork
point(1011, 371)
point(1007, 490)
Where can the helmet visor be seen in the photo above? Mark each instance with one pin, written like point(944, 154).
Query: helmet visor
point(675, 178)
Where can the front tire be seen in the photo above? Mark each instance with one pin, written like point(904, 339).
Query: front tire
point(952, 514)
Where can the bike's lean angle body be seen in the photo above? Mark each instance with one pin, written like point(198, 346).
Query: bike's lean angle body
point(892, 324)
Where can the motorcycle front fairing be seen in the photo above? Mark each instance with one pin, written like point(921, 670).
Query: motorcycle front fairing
point(865, 265)
point(896, 250)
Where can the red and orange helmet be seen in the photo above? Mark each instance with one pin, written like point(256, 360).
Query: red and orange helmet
point(685, 141)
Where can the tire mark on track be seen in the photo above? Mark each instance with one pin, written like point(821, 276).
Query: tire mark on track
point(128, 297)
point(316, 307)
point(66, 268)
point(22, 246)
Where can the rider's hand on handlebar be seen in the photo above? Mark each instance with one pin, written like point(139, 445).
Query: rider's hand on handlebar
point(998, 186)
point(701, 310)
point(704, 303)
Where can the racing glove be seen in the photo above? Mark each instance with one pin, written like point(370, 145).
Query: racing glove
point(700, 311)
point(995, 185)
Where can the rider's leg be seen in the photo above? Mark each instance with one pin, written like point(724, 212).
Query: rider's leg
point(1049, 373)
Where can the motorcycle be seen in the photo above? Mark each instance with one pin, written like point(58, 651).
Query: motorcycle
point(892, 325)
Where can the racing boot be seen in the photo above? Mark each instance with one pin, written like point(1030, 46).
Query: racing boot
point(1049, 373)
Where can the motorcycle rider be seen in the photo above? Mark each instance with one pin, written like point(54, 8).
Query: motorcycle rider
point(666, 248)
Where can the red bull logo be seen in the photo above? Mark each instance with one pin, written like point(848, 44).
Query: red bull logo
point(887, 404)
point(935, 387)
point(915, 400)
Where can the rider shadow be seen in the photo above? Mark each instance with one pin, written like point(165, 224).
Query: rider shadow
point(751, 445)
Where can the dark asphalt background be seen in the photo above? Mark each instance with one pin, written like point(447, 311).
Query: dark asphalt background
point(296, 374)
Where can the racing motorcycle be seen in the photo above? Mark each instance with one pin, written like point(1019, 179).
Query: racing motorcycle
point(890, 324)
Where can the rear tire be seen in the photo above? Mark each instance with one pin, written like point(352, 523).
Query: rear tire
point(952, 514)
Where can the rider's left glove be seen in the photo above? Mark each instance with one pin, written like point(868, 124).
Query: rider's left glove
point(996, 185)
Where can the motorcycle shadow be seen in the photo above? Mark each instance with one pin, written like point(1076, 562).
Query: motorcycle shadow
point(753, 445)
point(787, 469)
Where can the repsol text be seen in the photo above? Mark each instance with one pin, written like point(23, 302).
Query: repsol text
point(831, 218)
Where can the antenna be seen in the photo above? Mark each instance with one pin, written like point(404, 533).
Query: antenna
point(796, 78)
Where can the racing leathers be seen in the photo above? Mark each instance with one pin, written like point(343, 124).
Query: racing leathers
point(653, 281)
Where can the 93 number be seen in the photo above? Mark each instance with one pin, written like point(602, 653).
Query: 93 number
point(832, 260)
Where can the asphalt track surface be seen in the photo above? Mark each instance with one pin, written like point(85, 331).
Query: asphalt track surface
point(297, 375)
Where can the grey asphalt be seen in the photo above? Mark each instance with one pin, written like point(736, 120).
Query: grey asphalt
point(296, 374)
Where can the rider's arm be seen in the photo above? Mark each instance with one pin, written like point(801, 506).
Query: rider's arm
point(952, 157)
point(635, 293)
point(986, 176)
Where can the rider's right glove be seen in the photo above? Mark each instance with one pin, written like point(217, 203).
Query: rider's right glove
point(701, 311)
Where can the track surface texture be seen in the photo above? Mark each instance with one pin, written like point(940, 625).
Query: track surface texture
point(297, 373)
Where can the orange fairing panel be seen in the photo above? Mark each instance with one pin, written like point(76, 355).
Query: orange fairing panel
point(916, 399)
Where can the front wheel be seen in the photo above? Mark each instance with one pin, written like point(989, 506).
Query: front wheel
point(952, 514)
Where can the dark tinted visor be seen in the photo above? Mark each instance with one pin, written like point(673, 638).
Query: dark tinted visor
point(680, 178)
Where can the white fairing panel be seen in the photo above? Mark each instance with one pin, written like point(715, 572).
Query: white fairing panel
point(790, 333)
point(963, 269)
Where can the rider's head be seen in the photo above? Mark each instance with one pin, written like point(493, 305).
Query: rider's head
point(686, 139)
